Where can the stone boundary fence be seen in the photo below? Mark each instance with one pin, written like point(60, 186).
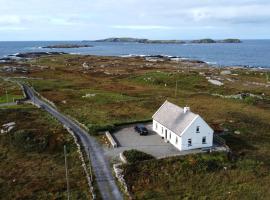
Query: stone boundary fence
point(111, 139)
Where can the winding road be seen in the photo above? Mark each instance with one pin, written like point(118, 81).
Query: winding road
point(105, 180)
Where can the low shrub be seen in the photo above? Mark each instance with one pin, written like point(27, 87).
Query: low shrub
point(29, 141)
point(203, 162)
point(134, 156)
point(95, 128)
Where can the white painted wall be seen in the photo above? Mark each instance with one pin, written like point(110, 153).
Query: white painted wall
point(171, 136)
point(189, 133)
point(158, 128)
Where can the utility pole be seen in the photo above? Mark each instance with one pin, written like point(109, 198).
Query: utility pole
point(66, 166)
point(7, 96)
point(175, 89)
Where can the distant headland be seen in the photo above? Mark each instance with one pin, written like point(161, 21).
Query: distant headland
point(66, 46)
point(147, 41)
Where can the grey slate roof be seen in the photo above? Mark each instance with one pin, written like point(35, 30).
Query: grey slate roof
point(173, 117)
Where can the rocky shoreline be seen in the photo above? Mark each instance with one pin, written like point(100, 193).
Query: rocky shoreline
point(161, 58)
point(151, 58)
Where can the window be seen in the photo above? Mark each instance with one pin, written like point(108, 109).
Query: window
point(176, 140)
point(156, 126)
point(197, 129)
point(162, 130)
point(204, 140)
point(170, 135)
point(189, 142)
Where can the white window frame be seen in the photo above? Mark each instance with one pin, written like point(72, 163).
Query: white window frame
point(204, 138)
point(197, 129)
point(189, 142)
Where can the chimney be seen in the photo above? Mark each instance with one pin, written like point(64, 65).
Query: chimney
point(186, 109)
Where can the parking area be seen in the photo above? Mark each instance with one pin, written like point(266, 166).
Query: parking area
point(152, 144)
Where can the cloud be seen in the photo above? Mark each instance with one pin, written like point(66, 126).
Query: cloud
point(12, 28)
point(142, 27)
point(61, 21)
point(233, 14)
point(9, 20)
point(166, 18)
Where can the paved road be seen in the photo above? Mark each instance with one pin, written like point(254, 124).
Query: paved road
point(101, 169)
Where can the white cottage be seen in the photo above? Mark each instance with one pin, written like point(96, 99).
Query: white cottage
point(181, 127)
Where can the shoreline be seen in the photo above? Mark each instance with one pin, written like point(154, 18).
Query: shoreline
point(152, 58)
point(195, 61)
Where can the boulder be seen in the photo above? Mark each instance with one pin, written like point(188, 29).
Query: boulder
point(225, 72)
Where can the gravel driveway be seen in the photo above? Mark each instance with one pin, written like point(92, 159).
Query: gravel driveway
point(152, 144)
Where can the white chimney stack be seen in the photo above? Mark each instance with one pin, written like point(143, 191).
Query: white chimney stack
point(186, 109)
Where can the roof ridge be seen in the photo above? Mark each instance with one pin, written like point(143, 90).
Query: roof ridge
point(160, 108)
point(173, 117)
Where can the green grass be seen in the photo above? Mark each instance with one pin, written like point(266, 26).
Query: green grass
point(9, 98)
point(9, 91)
point(32, 162)
point(203, 176)
point(134, 89)
point(168, 79)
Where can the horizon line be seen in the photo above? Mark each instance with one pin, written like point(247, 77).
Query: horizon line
point(93, 40)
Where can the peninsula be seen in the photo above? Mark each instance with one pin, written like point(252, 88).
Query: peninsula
point(66, 46)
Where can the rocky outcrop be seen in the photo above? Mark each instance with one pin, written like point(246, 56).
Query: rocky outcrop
point(37, 54)
point(13, 69)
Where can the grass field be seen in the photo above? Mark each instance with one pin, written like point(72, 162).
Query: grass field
point(32, 161)
point(9, 91)
point(198, 177)
point(119, 90)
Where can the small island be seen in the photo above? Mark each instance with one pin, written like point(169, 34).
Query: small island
point(203, 41)
point(138, 40)
point(147, 41)
point(230, 40)
point(67, 46)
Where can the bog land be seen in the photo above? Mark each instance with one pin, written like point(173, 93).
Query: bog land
point(102, 92)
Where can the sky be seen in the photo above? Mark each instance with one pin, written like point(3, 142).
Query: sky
point(152, 19)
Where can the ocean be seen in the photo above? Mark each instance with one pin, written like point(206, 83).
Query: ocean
point(250, 53)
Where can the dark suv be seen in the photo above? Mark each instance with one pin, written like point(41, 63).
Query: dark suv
point(141, 129)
